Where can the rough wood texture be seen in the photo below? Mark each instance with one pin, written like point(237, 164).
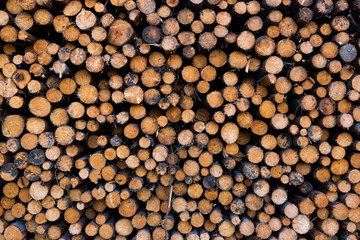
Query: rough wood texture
point(179, 119)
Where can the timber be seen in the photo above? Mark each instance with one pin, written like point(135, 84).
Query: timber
point(179, 119)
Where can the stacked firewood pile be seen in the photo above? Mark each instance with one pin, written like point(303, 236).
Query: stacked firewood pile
point(179, 119)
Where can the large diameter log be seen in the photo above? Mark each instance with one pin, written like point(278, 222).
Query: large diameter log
point(120, 32)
